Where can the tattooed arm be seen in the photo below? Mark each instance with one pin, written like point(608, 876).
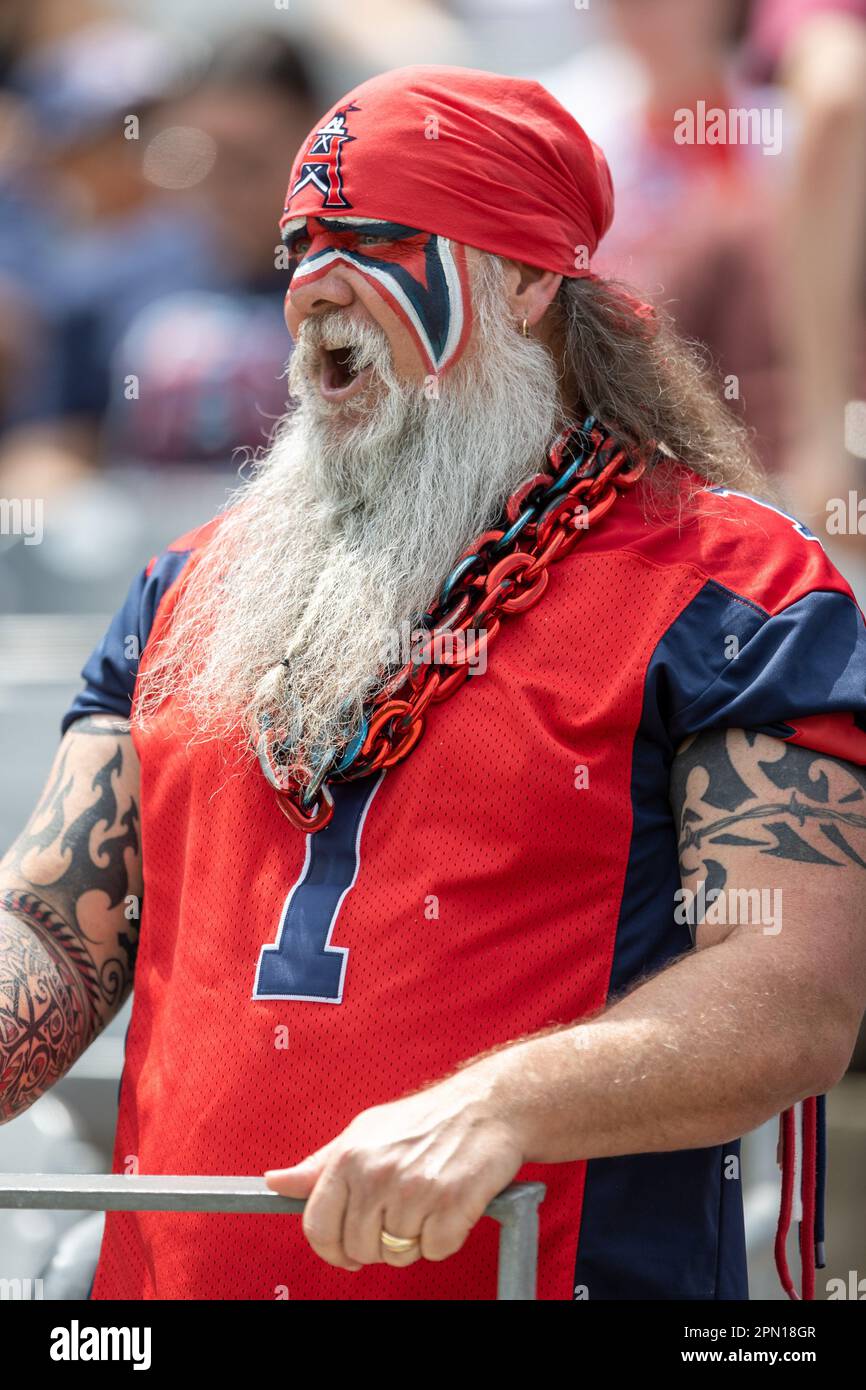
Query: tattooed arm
point(762, 1014)
point(70, 901)
point(759, 816)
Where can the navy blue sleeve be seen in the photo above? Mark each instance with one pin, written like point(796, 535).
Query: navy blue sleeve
point(110, 671)
point(798, 675)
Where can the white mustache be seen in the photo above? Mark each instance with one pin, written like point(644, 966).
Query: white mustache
point(367, 342)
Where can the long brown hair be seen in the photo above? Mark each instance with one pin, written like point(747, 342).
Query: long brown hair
point(653, 387)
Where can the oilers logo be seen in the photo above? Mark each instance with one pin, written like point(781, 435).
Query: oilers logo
point(321, 164)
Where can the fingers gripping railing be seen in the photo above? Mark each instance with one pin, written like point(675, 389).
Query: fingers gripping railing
point(516, 1208)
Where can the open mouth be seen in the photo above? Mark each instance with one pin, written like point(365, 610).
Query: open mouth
point(339, 378)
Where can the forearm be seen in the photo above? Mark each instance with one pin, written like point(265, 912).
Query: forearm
point(47, 1012)
point(698, 1055)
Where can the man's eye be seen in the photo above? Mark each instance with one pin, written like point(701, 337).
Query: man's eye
point(373, 239)
point(301, 246)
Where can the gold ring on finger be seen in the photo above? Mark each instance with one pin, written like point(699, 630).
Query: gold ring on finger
point(399, 1245)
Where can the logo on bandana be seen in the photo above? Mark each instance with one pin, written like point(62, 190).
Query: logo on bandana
point(322, 162)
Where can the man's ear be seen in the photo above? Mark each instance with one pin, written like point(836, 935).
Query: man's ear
point(530, 290)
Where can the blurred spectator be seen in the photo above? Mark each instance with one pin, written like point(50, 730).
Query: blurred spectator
point(157, 194)
point(208, 364)
point(693, 220)
point(759, 255)
point(25, 200)
point(91, 240)
point(817, 50)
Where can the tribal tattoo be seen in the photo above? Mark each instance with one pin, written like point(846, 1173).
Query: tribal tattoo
point(47, 1016)
point(70, 900)
point(741, 789)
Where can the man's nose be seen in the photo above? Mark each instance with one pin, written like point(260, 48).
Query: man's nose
point(329, 291)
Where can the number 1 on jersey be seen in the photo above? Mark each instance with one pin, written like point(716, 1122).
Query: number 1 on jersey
point(302, 964)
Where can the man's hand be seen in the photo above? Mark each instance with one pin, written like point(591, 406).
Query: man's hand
point(422, 1167)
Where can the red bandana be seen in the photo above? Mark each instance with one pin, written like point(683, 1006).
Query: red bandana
point(493, 162)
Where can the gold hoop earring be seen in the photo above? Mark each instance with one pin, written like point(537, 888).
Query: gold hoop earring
point(525, 330)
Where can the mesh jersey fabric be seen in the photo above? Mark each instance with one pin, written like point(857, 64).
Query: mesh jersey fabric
point(473, 894)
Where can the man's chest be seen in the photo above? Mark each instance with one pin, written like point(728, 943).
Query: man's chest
point(509, 822)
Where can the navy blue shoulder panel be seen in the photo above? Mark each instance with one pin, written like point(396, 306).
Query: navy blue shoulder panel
point(726, 663)
point(110, 671)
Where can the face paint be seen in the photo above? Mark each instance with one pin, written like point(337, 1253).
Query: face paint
point(422, 277)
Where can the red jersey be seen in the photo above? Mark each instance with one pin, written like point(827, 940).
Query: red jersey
point(515, 872)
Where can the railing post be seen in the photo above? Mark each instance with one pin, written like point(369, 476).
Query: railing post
point(516, 1209)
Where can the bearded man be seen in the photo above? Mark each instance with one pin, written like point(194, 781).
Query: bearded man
point(414, 731)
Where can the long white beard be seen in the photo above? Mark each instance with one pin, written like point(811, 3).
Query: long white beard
point(347, 530)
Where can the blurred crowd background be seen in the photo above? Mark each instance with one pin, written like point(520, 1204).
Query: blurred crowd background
point(144, 155)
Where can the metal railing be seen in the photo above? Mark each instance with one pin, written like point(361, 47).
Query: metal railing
point(516, 1208)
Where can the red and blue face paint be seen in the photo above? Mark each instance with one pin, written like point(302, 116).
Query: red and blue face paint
point(423, 278)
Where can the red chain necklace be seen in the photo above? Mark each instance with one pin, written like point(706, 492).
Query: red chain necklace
point(504, 573)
